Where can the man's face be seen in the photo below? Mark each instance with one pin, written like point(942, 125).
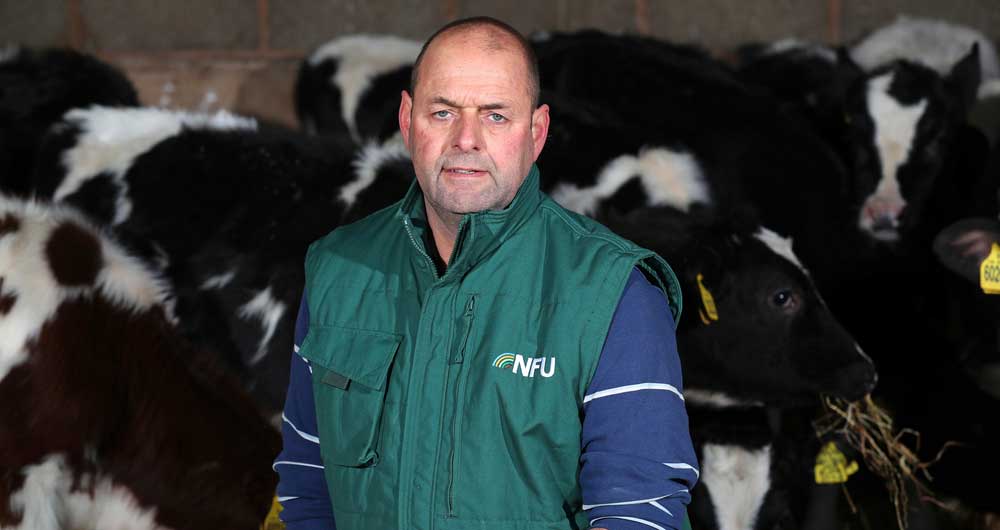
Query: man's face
point(470, 126)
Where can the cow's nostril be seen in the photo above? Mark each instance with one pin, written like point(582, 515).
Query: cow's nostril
point(884, 223)
point(885, 229)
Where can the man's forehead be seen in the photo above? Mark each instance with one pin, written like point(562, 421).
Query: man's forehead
point(486, 38)
point(471, 66)
point(468, 50)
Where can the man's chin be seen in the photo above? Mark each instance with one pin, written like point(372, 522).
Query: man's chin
point(464, 207)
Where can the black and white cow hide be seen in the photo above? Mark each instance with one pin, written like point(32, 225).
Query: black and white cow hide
point(110, 419)
point(225, 210)
point(749, 150)
point(36, 88)
point(935, 44)
point(352, 84)
point(809, 80)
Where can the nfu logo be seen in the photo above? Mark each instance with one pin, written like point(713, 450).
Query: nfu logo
point(527, 366)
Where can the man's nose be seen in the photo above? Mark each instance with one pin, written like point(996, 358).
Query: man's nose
point(468, 135)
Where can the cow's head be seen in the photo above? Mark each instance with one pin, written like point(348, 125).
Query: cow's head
point(963, 248)
point(755, 328)
point(902, 122)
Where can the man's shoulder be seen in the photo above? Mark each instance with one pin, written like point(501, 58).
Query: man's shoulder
point(587, 238)
point(584, 230)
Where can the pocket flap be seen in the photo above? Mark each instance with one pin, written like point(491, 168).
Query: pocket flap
point(356, 354)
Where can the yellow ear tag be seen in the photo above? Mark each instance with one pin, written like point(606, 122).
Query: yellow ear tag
point(272, 521)
point(708, 312)
point(832, 467)
point(989, 272)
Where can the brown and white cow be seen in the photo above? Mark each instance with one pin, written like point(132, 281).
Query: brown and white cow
point(109, 420)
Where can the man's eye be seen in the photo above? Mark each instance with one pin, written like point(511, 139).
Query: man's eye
point(441, 114)
point(497, 118)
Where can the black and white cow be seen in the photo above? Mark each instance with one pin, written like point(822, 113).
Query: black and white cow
point(36, 88)
point(110, 419)
point(900, 129)
point(749, 304)
point(758, 346)
point(353, 83)
point(226, 211)
point(915, 160)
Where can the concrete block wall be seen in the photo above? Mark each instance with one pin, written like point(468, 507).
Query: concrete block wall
point(243, 54)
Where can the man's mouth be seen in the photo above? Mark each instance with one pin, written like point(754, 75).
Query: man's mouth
point(463, 170)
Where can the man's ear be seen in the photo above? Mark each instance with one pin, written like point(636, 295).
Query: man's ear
point(540, 128)
point(405, 109)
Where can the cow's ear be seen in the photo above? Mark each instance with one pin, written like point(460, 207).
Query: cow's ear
point(707, 255)
point(847, 72)
point(964, 245)
point(964, 78)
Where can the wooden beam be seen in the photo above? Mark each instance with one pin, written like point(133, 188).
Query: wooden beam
point(450, 9)
point(76, 31)
point(263, 25)
point(642, 17)
point(834, 21)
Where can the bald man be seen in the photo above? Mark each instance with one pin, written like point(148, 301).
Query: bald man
point(475, 356)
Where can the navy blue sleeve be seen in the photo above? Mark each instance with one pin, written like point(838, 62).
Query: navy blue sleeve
point(302, 488)
point(638, 463)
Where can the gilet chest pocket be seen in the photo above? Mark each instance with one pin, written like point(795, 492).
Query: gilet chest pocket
point(350, 368)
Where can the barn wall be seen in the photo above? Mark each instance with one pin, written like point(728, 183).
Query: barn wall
point(242, 54)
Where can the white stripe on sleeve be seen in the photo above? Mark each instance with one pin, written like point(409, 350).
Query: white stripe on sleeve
point(632, 388)
point(660, 507)
point(308, 364)
point(681, 465)
point(304, 435)
point(633, 519)
point(290, 463)
point(626, 503)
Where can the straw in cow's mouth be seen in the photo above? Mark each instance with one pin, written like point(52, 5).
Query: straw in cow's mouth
point(869, 429)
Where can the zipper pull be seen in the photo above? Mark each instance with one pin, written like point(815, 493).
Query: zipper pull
point(464, 332)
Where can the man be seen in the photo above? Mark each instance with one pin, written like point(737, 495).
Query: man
point(476, 357)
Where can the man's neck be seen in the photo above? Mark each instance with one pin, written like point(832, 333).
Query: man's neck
point(444, 229)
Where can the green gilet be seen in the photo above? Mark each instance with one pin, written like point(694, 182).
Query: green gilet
point(455, 402)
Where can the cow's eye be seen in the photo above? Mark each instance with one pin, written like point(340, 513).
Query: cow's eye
point(785, 300)
point(781, 298)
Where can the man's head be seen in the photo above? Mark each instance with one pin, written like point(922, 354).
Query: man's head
point(470, 119)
